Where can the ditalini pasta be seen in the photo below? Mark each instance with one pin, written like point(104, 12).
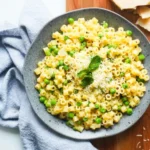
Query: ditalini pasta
point(91, 75)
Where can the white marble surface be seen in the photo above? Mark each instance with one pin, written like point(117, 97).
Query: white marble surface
point(9, 138)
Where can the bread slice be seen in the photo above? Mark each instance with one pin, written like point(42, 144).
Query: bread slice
point(130, 4)
point(144, 23)
point(144, 12)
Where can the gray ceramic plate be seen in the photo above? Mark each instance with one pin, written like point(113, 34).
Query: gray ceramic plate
point(35, 54)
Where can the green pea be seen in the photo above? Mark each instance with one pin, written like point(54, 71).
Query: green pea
point(60, 63)
point(122, 74)
point(102, 110)
point(98, 120)
point(42, 99)
point(45, 102)
point(85, 119)
point(124, 99)
point(46, 81)
point(100, 35)
point(66, 67)
point(105, 24)
point(70, 115)
point(55, 52)
point(71, 53)
point(129, 111)
point(66, 38)
point(53, 102)
point(97, 106)
point(112, 91)
point(129, 32)
point(126, 103)
point(128, 61)
point(65, 82)
point(125, 85)
point(81, 39)
point(79, 103)
point(141, 57)
point(70, 20)
point(48, 104)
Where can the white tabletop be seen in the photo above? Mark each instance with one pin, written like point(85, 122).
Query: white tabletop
point(9, 138)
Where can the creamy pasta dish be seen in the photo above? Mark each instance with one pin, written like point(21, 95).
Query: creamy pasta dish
point(92, 74)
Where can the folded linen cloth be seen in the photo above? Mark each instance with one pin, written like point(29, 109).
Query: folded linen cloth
point(15, 109)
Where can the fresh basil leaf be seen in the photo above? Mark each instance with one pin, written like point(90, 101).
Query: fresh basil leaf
point(86, 81)
point(94, 64)
point(82, 73)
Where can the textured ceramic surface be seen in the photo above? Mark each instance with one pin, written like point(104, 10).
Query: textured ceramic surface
point(35, 54)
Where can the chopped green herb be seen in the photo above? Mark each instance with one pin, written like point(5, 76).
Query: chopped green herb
point(86, 81)
point(139, 80)
point(71, 53)
point(83, 45)
point(124, 98)
point(88, 103)
point(79, 122)
point(61, 90)
point(119, 108)
point(68, 123)
point(94, 64)
point(75, 91)
point(108, 52)
point(47, 52)
point(83, 73)
point(66, 38)
point(85, 119)
point(122, 74)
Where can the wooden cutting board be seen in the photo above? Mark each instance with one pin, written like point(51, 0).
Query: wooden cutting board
point(138, 136)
